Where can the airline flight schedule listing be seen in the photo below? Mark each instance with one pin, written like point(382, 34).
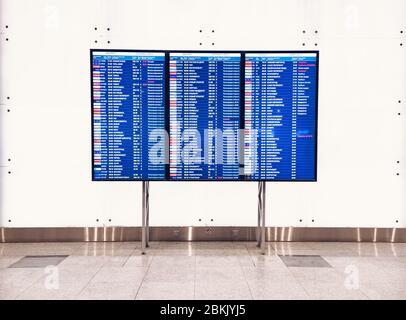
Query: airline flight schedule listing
point(213, 115)
point(128, 104)
point(204, 122)
point(280, 116)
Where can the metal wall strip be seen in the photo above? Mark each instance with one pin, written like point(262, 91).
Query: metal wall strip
point(80, 234)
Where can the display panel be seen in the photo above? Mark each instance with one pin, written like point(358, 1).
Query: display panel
point(204, 106)
point(204, 116)
point(280, 116)
point(128, 108)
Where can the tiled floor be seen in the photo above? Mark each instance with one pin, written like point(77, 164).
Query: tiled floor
point(203, 270)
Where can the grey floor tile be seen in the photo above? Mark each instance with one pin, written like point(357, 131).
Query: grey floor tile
point(207, 270)
point(305, 261)
point(366, 270)
point(317, 274)
point(25, 249)
point(38, 261)
point(294, 252)
point(6, 261)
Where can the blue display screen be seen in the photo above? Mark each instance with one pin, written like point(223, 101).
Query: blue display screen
point(128, 108)
point(204, 116)
point(204, 106)
point(280, 116)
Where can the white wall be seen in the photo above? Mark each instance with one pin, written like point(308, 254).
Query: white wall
point(46, 134)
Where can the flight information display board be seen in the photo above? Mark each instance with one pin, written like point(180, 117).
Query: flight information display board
point(204, 116)
point(128, 101)
point(280, 116)
point(204, 104)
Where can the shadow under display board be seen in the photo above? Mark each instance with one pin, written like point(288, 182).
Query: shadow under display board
point(204, 116)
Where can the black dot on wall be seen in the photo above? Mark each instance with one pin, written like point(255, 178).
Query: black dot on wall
point(211, 219)
point(95, 41)
point(397, 173)
point(95, 28)
point(312, 220)
point(109, 220)
point(400, 44)
point(315, 44)
point(303, 44)
point(108, 29)
point(303, 31)
point(399, 101)
point(397, 221)
point(8, 159)
point(9, 220)
point(300, 220)
point(315, 31)
point(6, 39)
point(8, 110)
point(97, 220)
point(212, 43)
point(398, 161)
point(200, 219)
point(108, 41)
point(200, 30)
point(9, 172)
point(200, 43)
point(6, 27)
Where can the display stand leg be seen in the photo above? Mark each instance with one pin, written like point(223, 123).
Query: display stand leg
point(145, 217)
point(261, 216)
point(258, 233)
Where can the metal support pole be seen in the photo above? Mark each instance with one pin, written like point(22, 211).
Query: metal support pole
point(145, 216)
point(263, 235)
point(261, 216)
